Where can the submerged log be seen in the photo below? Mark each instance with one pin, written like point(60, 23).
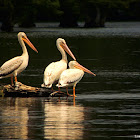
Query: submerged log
point(22, 90)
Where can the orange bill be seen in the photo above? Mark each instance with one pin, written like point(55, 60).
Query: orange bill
point(29, 43)
point(84, 69)
point(66, 48)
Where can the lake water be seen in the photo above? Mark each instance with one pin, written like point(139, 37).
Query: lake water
point(106, 106)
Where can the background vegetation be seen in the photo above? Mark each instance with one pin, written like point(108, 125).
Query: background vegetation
point(94, 13)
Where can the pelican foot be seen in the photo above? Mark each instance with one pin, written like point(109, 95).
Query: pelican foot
point(73, 95)
point(53, 93)
point(16, 88)
point(12, 85)
point(17, 85)
point(58, 94)
point(43, 85)
point(69, 95)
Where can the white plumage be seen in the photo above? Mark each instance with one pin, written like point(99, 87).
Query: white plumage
point(17, 64)
point(72, 76)
point(54, 70)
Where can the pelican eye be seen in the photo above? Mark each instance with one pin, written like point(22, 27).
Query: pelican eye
point(62, 43)
point(23, 37)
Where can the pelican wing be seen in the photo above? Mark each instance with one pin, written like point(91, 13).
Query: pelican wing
point(53, 71)
point(70, 76)
point(10, 66)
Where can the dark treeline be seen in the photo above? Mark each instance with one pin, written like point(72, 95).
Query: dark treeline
point(94, 13)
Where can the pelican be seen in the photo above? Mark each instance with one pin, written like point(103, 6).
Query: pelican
point(17, 64)
point(54, 69)
point(72, 76)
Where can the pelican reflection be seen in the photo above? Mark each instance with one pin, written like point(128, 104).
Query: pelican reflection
point(14, 123)
point(36, 118)
point(63, 120)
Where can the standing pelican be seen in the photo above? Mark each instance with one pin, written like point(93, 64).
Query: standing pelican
point(54, 69)
point(72, 76)
point(17, 64)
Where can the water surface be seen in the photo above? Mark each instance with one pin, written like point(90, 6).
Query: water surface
point(106, 106)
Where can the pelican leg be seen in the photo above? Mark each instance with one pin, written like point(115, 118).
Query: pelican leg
point(68, 92)
point(12, 83)
point(59, 89)
point(52, 89)
point(15, 79)
point(16, 83)
point(73, 100)
point(74, 92)
point(54, 92)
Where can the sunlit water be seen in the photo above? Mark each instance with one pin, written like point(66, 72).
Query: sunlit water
point(106, 106)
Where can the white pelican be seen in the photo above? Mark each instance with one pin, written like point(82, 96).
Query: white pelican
point(17, 64)
point(72, 76)
point(54, 69)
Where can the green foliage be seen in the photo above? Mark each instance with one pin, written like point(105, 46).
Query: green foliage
point(48, 10)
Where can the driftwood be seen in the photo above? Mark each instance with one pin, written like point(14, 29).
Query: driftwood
point(22, 90)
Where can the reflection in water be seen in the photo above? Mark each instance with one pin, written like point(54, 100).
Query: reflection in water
point(63, 121)
point(14, 121)
point(37, 118)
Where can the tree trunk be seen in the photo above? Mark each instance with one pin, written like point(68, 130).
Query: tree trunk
point(70, 13)
point(7, 25)
point(93, 20)
point(27, 19)
point(96, 20)
point(68, 21)
point(103, 16)
point(102, 21)
point(7, 18)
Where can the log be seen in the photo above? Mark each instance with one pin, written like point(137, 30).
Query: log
point(22, 90)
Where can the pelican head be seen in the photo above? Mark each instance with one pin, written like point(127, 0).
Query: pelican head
point(76, 65)
point(22, 36)
point(62, 43)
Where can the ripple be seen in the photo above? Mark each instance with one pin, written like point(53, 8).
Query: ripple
point(108, 96)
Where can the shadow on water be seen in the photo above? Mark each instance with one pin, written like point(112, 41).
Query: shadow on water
point(106, 105)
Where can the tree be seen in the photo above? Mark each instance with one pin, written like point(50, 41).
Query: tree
point(6, 10)
point(71, 11)
point(47, 10)
point(134, 9)
point(96, 11)
point(24, 13)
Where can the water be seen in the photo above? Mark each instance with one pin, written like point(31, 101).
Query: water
point(106, 106)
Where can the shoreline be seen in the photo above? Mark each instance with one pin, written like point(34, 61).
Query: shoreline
point(111, 29)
